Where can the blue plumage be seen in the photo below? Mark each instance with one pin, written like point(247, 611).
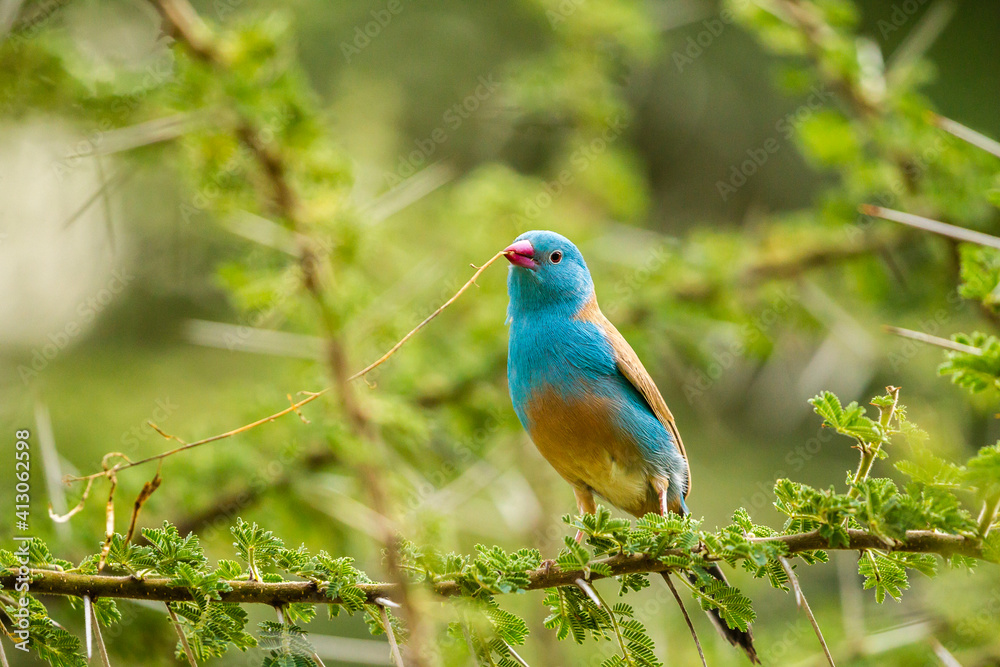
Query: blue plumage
point(582, 394)
point(564, 364)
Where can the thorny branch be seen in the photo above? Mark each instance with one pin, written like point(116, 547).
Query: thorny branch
point(310, 397)
point(48, 582)
point(182, 22)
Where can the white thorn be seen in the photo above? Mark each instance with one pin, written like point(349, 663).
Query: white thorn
point(591, 593)
point(514, 655)
point(88, 628)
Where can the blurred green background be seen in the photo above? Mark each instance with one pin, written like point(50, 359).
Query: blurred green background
point(140, 285)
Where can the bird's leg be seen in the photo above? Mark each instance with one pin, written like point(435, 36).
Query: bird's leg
point(661, 484)
point(585, 505)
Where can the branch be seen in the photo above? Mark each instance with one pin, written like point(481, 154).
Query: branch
point(818, 36)
point(48, 582)
point(183, 22)
point(870, 450)
point(311, 396)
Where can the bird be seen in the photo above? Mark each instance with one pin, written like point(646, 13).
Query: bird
point(584, 397)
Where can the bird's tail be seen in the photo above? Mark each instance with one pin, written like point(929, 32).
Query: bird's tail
point(738, 638)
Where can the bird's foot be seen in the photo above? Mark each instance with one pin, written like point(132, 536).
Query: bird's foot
point(547, 565)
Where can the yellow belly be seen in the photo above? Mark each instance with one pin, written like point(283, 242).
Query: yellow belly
point(579, 439)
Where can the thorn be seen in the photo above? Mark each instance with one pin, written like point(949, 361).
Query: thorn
point(591, 593)
point(931, 340)
point(296, 409)
point(397, 657)
point(165, 435)
point(88, 627)
point(966, 134)
point(928, 225)
point(386, 602)
point(514, 655)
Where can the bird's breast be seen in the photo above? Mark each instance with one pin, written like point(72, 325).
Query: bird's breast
point(581, 437)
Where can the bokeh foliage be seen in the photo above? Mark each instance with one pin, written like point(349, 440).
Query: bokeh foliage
point(739, 320)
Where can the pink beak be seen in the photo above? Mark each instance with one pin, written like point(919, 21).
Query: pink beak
point(520, 253)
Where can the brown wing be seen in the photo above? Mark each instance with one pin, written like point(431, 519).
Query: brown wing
point(633, 370)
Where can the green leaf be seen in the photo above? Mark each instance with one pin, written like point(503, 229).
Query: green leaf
point(927, 468)
point(883, 574)
point(510, 627)
point(107, 611)
point(131, 557)
point(974, 372)
point(991, 546)
point(259, 548)
point(983, 470)
point(735, 608)
point(229, 569)
point(742, 519)
point(288, 645)
point(573, 556)
point(926, 564)
point(632, 582)
point(849, 420)
point(170, 549)
point(980, 274)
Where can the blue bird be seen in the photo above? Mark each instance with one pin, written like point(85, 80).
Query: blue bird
point(584, 397)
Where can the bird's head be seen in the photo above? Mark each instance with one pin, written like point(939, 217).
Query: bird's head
point(546, 271)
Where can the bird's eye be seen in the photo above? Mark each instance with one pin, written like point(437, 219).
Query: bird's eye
point(555, 257)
